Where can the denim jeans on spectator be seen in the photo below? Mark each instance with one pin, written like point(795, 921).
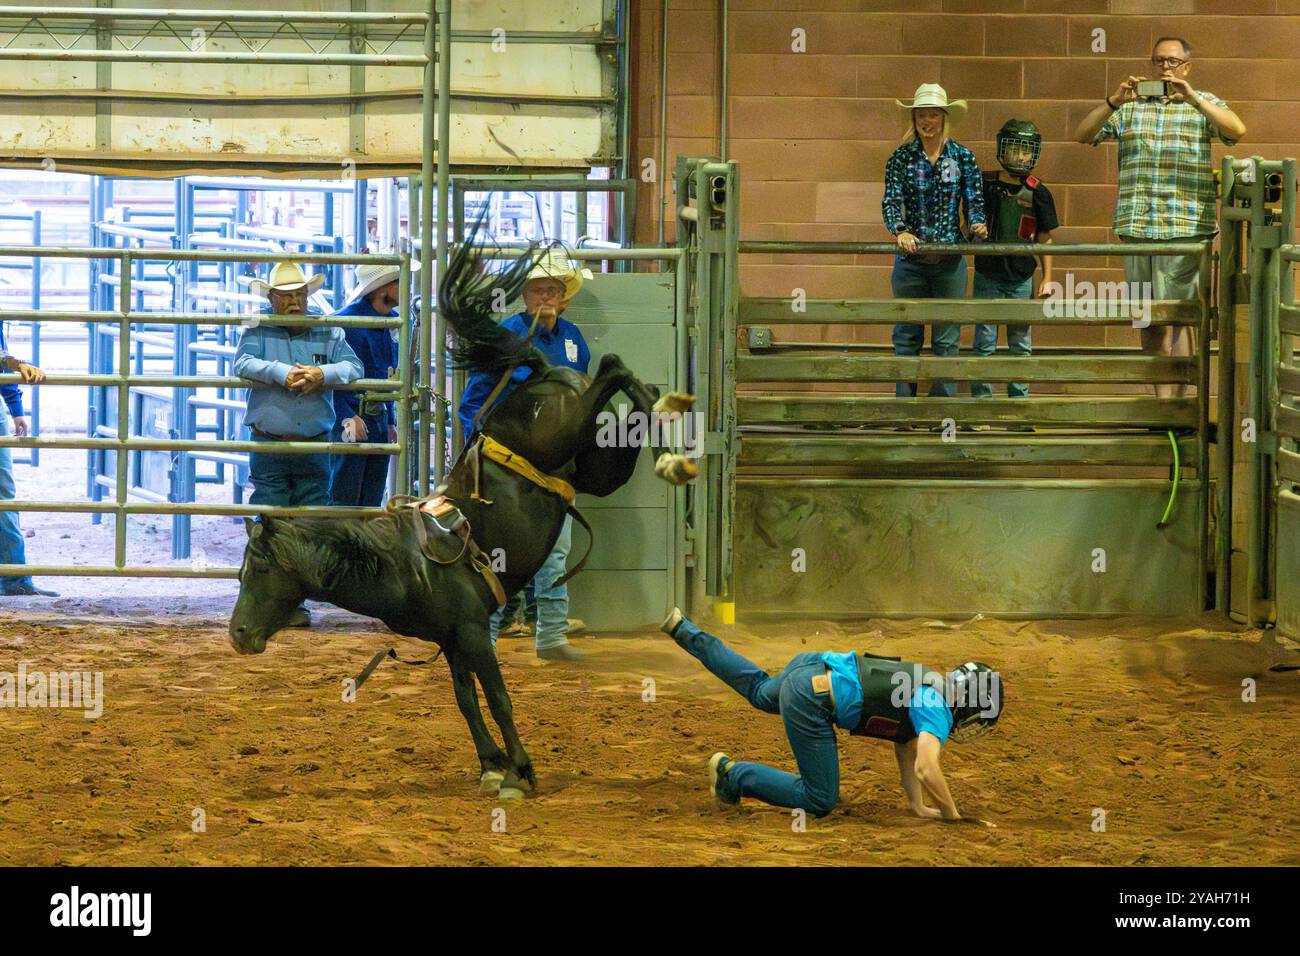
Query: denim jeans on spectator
point(12, 547)
point(808, 718)
point(1018, 333)
point(552, 602)
point(286, 480)
point(919, 280)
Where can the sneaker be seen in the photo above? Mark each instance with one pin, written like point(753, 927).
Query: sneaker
point(27, 590)
point(576, 625)
point(674, 618)
point(718, 765)
point(516, 629)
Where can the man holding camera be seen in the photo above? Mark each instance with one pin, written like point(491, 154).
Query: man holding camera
point(1166, 180)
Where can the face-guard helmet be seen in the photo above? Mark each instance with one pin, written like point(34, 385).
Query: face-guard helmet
point(1019, 144)
point(976, 696)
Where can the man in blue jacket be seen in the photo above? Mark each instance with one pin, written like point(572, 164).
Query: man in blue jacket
point(300, 365)
point(359, 480)
point(551, 286)
point(12, 549)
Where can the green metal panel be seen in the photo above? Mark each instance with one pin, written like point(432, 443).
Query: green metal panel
point(958, 548)
point(1288, 564)
point(627, 582)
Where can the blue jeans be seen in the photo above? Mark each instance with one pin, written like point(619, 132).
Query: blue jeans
point(12, 548)
point(359, 480)
point(552, 602)
point(916, 280)
point(288, 480)
point(1018, 333)
point(809, 724)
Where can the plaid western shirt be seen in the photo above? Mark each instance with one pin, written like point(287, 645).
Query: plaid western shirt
point(925, 199)
point(1166, 180)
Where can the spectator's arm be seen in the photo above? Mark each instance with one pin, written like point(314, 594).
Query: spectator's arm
point(1225, 122)
point(972, 184)
point(891, 204)
point(343, 366)
point(13, 396)
point(476, 392)
point(250, 364)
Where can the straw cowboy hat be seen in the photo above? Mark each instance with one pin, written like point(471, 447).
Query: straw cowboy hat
point(287, 277)
point(932, 94)
point(372, 276)
point(556, 264)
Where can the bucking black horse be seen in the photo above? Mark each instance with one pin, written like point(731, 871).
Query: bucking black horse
point(433, 575)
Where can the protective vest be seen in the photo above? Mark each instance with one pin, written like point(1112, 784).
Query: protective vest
point(885, 697)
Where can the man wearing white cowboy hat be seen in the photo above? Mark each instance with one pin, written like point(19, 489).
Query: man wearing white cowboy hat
point(928, 181)
point(358, 480)
point(300, 364)
point(551, 286)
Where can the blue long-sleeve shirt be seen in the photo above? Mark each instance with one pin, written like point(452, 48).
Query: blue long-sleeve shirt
point(925, 199)
point(267, 353)
point(12, 394)
point(378, 353)
point(563, 345)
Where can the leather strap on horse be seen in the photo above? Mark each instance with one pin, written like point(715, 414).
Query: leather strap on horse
point(478, 559)
point(391, 652)
point(522, 466)
point(591, 540)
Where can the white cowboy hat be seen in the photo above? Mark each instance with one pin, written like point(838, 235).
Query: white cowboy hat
point(287, 277)
point(934, 95)
point(372, 276)
point(556, 264)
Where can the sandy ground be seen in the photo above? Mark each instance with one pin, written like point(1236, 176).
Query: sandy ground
point(1144, 720)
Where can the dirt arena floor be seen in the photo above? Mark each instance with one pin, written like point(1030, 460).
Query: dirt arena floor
point(1142, 720)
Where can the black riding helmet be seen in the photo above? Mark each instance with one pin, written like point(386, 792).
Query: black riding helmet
point(976, 695)
point(1019, 133)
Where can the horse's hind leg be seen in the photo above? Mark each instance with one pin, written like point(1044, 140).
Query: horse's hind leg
point(493, 764)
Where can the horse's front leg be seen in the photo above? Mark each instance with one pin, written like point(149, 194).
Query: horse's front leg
point(493, 765)
point(520, 778)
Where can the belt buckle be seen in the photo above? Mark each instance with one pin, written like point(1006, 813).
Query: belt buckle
point(821, 684)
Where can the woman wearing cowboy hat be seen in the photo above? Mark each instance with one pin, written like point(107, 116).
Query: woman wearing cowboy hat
point(358, 480)
point(551, 286)
point(928, 180)
point(300, 364)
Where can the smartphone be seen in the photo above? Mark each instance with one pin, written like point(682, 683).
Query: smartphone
point(1152, 89)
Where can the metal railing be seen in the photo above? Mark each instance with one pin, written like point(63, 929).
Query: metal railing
point(124, 317)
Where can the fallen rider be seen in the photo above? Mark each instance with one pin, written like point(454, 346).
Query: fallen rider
point(917, 708)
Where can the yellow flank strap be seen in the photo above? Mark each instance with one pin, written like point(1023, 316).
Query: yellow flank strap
point(521, 465)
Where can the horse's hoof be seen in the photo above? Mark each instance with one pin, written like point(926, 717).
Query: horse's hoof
point(490, 782)
point(511, 793)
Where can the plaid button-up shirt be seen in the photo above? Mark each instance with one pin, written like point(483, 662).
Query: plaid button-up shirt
point(925, 199)
point(1166, 180)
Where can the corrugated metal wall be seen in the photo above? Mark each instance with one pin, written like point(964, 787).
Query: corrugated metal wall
point(518, 101)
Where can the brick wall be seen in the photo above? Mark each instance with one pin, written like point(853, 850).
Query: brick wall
point(812, 131)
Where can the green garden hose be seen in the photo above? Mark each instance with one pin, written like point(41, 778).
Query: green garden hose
point(1173, 488)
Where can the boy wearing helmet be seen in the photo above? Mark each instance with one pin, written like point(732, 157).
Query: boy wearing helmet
point(916, 708)
point(1019, 209)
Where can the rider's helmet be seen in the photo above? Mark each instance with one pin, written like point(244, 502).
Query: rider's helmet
point(975, 694)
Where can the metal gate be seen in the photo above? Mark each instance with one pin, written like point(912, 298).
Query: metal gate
point(819, 503)
point(124, 446)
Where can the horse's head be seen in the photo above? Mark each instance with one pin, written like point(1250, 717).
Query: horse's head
point(268, 594)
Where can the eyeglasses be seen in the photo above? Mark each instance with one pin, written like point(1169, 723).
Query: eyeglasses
point(1172, 62)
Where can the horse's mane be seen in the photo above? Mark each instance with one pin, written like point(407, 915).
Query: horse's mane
point(467, 296)
point(324, 551)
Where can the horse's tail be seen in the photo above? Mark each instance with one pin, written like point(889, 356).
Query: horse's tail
point(470, 294)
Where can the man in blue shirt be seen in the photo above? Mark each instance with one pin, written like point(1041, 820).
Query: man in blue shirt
point(916, 708)
point(300, 364)
point(359, 480)
point(12, 548)
point(551, 286)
